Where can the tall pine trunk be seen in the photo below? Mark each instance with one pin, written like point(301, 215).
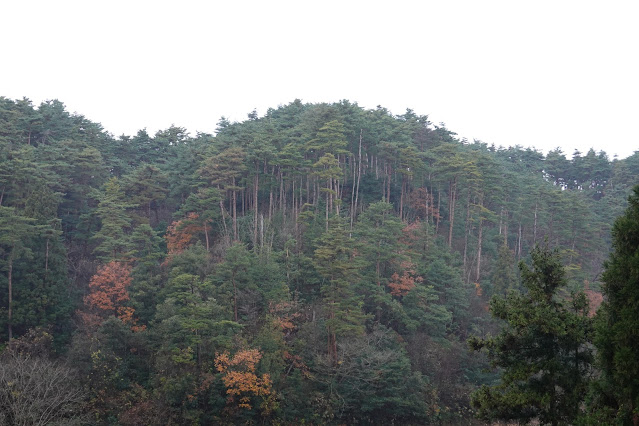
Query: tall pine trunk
point(479, 236)
point(359, 175)
point(255, 204)
point(452, 200)
point(467, 228)
point(206, 236)
point(234, 208)
point(401, 198)
point(10, 311)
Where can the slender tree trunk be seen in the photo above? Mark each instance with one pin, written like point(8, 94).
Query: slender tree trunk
point(294, 206)
point(428, 204)
point(401, 198)
point(261, 233)
point(466, 234)
point(332, 342)
point(384, 188)
point(234, 199)
point(234, 296)
point(535, 226)
point(270, 203)
point(327, 203)
point(226, 232)
point(479, 241)
point(359, 175)
point(284, 204)
point(352, 198)
point(338, 196)
point(281, 189)
point(439, 200)
point(255, 205)
point(10, 311)
point(206, 236)
point(519, 242)
point(46, 258)
point(243, 197)
point(506, 228)
point(300, 204)
point(329, 186)
point(479, 236)
point(388, 183)
point(453, 197)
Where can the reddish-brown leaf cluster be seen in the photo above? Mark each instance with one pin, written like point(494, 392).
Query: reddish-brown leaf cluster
point(179, 234)
point(423, 203)
point(108, 295)
point(402, 285)
point(409, 233)
point(295, 362)
point(239, 377)
point(285, 314)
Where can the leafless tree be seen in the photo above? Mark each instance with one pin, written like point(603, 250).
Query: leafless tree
point(38, 391)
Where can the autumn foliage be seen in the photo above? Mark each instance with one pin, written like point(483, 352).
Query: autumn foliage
point(285, 316)
point(108, 294)
point(423, 204)
point(401, 285)
point(240, 379)
point(179, 234)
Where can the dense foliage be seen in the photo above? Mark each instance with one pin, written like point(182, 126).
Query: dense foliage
point(543, 350)
point(321, 264)
point(616, 393)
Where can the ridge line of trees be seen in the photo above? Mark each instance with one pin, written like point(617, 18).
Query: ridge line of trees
point(322, 253)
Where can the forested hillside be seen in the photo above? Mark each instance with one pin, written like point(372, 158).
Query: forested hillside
point(321, 264)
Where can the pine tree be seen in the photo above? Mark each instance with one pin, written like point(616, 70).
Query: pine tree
point(542, 349)
point(335, 262)
point(113, 238)
point(15, 229)
point(504, 277)
point(618, 322)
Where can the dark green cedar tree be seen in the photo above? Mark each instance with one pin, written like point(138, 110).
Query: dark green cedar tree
point(543, 350)
point(617, 398)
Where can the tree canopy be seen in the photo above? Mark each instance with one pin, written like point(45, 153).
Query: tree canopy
point(320, 264)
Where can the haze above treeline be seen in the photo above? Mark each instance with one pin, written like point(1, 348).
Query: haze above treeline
point(483, 69)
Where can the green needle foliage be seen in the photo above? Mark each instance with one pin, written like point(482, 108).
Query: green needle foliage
point(617, 391)
point(270, 237)
point(542, 351)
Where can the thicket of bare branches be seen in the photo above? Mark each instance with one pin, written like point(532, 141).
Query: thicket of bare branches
point(38, 391)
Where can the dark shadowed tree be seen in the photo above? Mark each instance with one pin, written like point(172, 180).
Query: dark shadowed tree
point(542, 349)
point(617, 391)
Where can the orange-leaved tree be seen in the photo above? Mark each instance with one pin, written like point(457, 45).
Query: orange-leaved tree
point(241, 380)
point(180, 233)
point(108, 294)
point(400, 285)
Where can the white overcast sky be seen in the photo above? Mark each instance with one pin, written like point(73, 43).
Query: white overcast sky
point(544, 74)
